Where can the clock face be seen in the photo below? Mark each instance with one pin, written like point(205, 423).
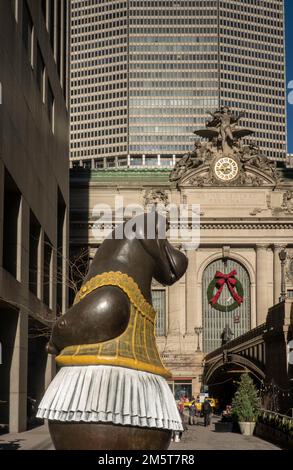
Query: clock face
point(226, 168)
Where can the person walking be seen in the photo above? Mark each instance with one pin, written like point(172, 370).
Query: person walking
point(207, 411)
point(192, 413)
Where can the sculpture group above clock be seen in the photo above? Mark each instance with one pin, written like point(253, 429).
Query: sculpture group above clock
point(220, 157)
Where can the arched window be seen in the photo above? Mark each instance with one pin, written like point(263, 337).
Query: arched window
point(224, 310)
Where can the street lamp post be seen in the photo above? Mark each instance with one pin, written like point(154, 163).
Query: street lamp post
point(198, 332)
point(283, 258)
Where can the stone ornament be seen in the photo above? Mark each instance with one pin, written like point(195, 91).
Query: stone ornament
point(223, 159)
point(287, 204)
point(154, 197)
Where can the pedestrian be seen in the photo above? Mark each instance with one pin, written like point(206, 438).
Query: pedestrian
point(181, 412)
point(207, 411)
point(192, 413)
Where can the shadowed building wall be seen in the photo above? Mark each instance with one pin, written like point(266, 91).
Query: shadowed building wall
point(33, 194)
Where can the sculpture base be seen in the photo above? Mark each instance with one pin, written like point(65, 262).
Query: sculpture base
point(100, 436)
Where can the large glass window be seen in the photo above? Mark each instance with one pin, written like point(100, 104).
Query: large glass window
point(181, 388)
point(215, 318)
point(11, 225)
point(159, 304)
point(34, 253)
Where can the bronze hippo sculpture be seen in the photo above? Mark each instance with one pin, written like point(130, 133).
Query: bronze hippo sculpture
point(106, 339)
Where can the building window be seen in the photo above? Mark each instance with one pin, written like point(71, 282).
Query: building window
point(291, 267)
point(52, 22)
point(61, 252)
point(51, 105)
point(215, 319)
point(44, 10)
point(14, 6)
point(110, 162)
point(11, 225)
point(34, 253)
point(87, 164)
point(181, 388)
point(99, 163)
point(47, 272)
point(159, 304)
point(27, 31)
point(40, 71)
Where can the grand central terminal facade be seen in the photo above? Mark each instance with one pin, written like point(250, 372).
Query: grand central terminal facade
point(234, 274)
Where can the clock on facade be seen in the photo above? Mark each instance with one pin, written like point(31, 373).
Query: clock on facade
point(226, 168)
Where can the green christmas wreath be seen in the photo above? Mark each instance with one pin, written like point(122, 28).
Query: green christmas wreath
point(224, 308)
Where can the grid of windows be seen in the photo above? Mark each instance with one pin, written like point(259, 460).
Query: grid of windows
point(55, 18)
point(159, 304)
point(144, 74)
point(252, 75)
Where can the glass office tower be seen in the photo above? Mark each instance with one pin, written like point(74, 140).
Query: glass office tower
point(145, 74)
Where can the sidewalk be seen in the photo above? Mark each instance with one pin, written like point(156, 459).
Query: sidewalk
point(197, 437)
point(35, 439)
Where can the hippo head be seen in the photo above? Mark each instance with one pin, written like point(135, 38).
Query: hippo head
point(170, 263)
point(104, 314)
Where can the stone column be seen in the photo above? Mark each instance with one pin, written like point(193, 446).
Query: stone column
point(277, 272)
point(191, 294)
point(19, 361)
point(18, 377)
point(261, 284)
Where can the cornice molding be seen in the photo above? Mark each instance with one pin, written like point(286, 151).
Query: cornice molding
point(208, 225)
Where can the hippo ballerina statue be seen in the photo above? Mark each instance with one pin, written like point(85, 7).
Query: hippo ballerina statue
point(111, 390)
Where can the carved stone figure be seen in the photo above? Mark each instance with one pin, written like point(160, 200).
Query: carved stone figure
point(224, 126)
point(111, 392)
point(155, 197)
point(185, 163)
point(287, 204)
point(230, 161)
point(250, 155)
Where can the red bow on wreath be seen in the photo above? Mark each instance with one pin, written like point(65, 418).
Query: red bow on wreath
point(231, 282)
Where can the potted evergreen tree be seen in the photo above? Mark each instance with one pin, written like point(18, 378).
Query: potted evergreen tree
point(246, 405)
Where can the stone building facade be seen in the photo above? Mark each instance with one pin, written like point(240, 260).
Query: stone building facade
point(33, 197)
point(246, 218)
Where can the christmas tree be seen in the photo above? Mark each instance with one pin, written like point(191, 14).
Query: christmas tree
point(246, 402)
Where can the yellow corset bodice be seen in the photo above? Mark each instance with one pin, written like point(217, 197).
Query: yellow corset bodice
point(135, 348)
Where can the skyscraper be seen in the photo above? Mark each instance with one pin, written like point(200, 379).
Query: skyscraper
point(145, 74)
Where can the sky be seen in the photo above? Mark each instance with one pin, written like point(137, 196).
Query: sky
point(289, 66)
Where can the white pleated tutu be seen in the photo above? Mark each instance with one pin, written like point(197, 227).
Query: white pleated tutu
point(111, 395)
